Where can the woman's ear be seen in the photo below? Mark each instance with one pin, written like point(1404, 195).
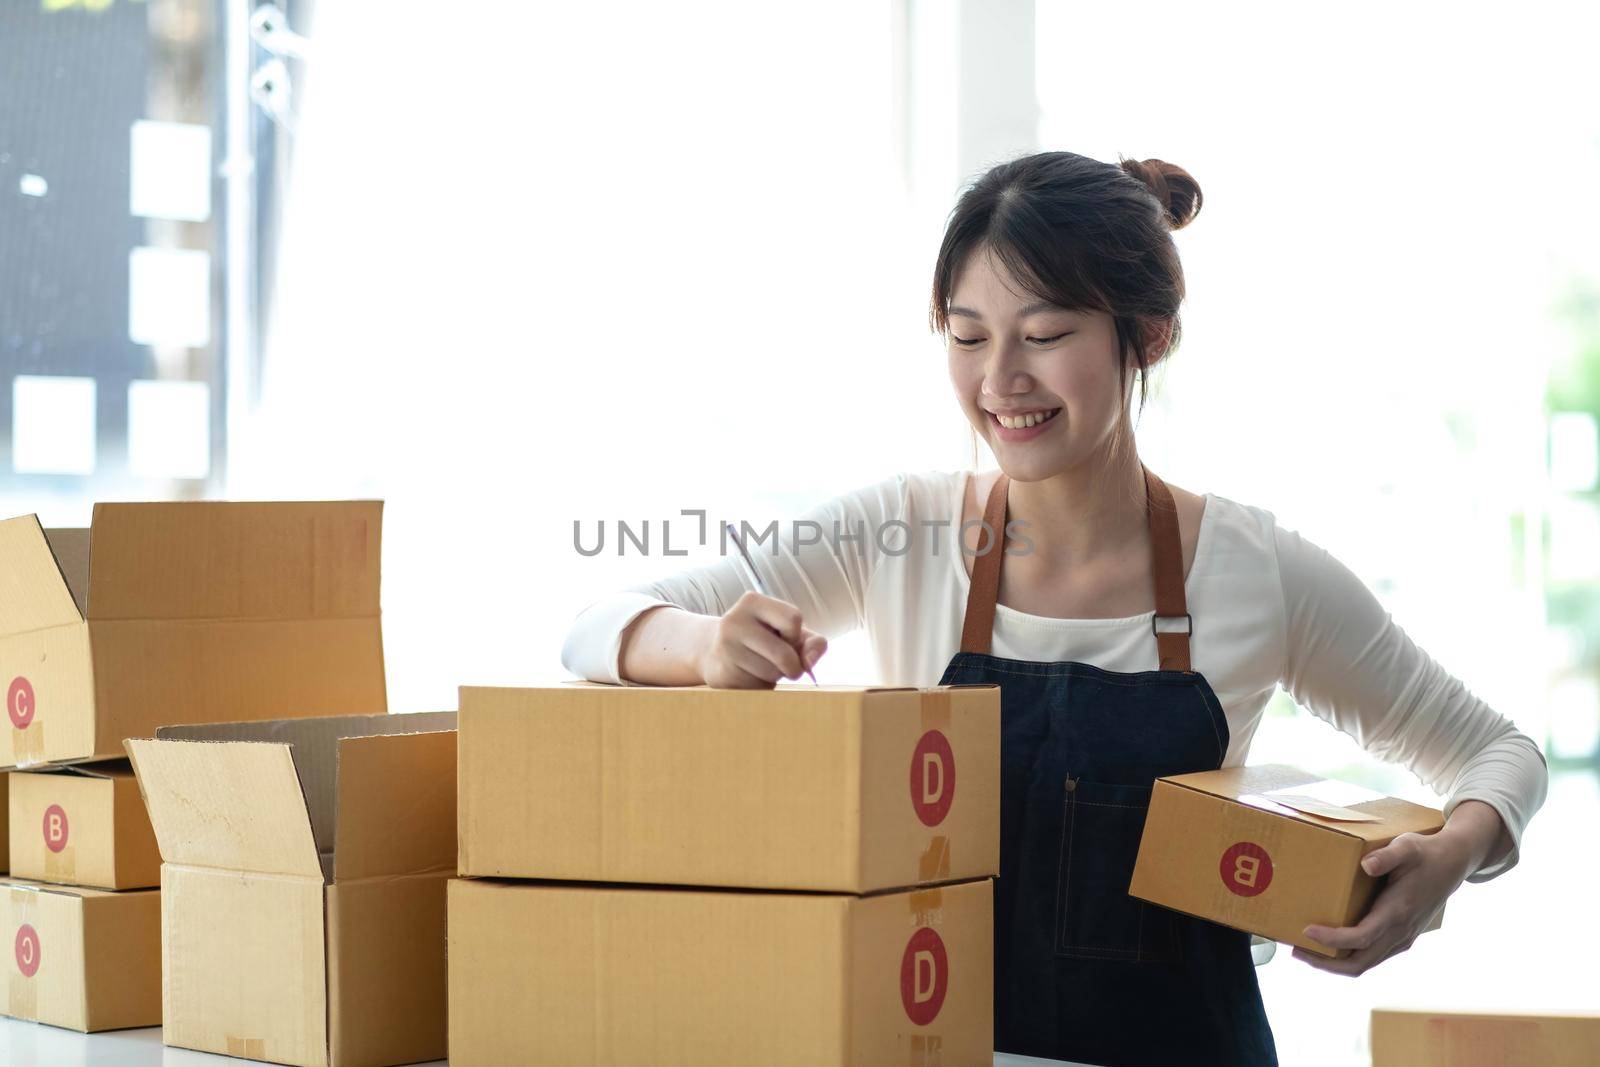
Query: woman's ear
point(1157, 336)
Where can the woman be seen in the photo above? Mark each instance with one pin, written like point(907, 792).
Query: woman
point(1135, 629)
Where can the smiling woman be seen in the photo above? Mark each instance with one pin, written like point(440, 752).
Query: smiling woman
point(1136, 630)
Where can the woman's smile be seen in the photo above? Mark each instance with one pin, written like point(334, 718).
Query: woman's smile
point(1023, 426)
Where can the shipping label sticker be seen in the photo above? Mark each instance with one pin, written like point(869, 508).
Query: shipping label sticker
point(27, 950)
point(924, 976)
point(20, 704)
point(933, 778)
point(55, 828)
point(1246, 869)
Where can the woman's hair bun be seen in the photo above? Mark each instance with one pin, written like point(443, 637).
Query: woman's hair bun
point(1175, 188)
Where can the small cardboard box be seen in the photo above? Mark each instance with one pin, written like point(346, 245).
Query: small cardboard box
point(1465, 1039)
point(5, 823)
point(1268, 849)
point(81, 958)
point(571, 974)
point(303, 885)
point(185, 612)
point(82, 825)
point(838, 788)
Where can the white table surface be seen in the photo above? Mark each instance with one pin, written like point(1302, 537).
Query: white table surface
point(33, 1045)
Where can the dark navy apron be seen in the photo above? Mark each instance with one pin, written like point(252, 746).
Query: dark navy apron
point(1082, 970)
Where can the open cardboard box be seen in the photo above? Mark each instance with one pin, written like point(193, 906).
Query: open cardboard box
point(839, 788)
point(303, 885)
point(85, 959)
point(82, 825)
point(576, 974)
point(185, 612)
point(1269, 849)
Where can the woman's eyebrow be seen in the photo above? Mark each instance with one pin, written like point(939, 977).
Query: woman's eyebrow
point(1031, 309)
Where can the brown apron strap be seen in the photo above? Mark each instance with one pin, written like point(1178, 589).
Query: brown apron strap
point(1166, 564)
point(1166, 551)
point(978, 629)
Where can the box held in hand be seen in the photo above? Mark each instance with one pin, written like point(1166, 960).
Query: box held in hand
point(1268, 849)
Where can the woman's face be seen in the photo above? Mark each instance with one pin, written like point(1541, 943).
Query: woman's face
point(1038, 382)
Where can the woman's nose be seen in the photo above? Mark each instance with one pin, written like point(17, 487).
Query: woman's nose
point(1004, 373)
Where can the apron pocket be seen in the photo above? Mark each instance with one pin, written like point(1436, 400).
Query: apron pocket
point(1095, 916)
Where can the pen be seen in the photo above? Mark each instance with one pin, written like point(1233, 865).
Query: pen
point(755, 578)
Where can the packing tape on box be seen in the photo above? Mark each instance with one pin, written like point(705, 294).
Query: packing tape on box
point(22, 990)
point(27, 744)
point(61, 867)
point(927, 1050)
point(934, 864)
point(250, 1048)
point(927, 906)
point(936, 710)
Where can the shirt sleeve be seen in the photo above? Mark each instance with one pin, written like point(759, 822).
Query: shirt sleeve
point(1350, 664)
point(821, 562)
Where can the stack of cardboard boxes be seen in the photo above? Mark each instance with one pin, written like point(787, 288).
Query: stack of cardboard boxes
point(691, 876)
point(157, 614)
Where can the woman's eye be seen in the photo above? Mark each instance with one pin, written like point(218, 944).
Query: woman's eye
point(966, 342)
point(1049, 340)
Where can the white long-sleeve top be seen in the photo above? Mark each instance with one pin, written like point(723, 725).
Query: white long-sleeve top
point(1270, 608)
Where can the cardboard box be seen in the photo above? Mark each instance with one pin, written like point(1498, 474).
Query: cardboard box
point(841, 789)
point(573, 974)
point(303, 885)
point(81, 958)
point(185, 612)
point(1464, 1039)
point(82, 825)
point(5, 823)
point(1268, 849)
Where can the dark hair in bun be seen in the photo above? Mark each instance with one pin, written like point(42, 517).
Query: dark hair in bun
point(1176, 190)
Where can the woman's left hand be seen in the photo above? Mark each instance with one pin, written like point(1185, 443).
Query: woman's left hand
point(1423, 870)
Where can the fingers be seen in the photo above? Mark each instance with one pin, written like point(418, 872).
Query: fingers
point(760, 640)
point(778, 614)
point(779, 654)
point(1403, 851)
point(1382, 919)
point(812, 648)
point(1357, 963)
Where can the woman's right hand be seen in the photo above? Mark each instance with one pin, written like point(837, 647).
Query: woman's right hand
point(759, 640)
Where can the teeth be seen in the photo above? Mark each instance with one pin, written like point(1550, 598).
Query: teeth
point(1022, 422)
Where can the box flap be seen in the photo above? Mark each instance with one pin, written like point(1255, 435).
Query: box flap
point(396, 805)
point(314, 749)
point(34, 594)
point(71, 549)
point(226, 559)
point(233, 805)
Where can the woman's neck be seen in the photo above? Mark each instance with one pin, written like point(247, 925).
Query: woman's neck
point(1083, 513)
